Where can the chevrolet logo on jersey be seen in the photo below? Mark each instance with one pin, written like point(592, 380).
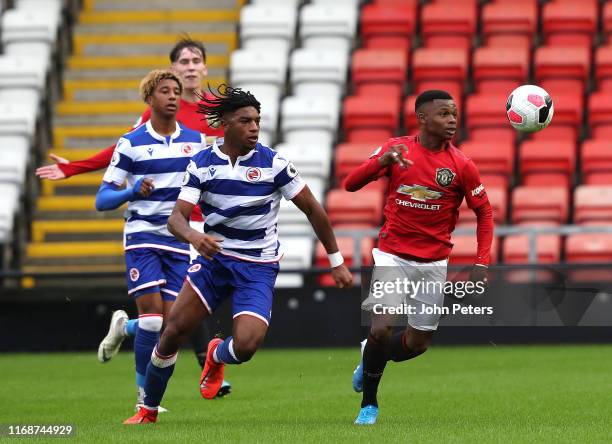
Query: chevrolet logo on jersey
point(419, 192)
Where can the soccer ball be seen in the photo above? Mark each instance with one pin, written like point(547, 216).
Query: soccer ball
point(529, 108)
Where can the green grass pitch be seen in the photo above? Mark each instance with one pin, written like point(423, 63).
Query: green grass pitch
point(451, 394)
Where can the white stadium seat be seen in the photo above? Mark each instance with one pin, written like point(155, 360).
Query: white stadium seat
point(318, 72)
point(328, 26)
point(22, 79)
point(310, 160)
point(30, 31)
point(270, 27)
point(308, 120)
point(257, 67)
point(298, 256)
point(17, 119)
point(13, 159)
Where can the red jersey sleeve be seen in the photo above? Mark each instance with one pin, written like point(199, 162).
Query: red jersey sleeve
point(368, 171)
point(475, 194)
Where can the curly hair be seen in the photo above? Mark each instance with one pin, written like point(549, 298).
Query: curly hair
point(225, 100)
point(153, 78)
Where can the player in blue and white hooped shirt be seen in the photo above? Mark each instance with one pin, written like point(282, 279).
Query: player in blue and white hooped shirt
point(239, 186)
point(152, 159)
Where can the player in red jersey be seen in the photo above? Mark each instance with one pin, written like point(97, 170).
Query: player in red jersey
point(428, 179)
point(188, 59)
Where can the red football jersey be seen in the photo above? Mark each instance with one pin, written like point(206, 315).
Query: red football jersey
point(423, 200)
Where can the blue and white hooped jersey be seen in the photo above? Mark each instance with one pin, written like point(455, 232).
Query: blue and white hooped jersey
point(240, 203)
point(144, 153)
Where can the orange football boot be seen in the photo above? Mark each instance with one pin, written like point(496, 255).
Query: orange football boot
point(143, 416)
point(212, 374)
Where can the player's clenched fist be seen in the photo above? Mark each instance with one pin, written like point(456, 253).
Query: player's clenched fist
point(395, 155)
point(342, 276)
point(145, 187)
point(206, 245)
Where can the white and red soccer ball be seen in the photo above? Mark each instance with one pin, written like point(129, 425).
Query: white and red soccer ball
point(529, 108)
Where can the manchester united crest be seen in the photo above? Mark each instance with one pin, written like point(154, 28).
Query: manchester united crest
point(444, 176)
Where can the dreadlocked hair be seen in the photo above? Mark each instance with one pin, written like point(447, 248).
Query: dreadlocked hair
point(224, 100)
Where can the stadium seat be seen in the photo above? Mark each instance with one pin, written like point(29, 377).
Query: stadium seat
point(297, 256)
point(498, 197)
point(388, 25)
point(544, 162)
point(506, 19)
point(500, 69)
point(556, 62)
point(589, 247)
point(268, 27)
point(347, 247)
point(465, 248)
point(556, 131)
point(379, 66)
point(509, 41)
point(436, 64)
point(310, 161)
point(539, 203)
point(22, 79)
point(568, 102)
point(516, 249)
point(603, 67)
point(600, 113)
point(607, 19)
point(318, 72)
point(309, 120)
point(349, 156)
point(17, 119)
point(484, 110)
point(448, 24)
point(365, 113)
point(569, 23)
point(596, 156)
point(328, 26)
point(345, 207)
point(258, 67)
point(592, 203)
point(30, 31)
point(491, 158)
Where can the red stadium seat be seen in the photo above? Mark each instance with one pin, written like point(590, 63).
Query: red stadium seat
point(465, 248)
point(600, 111)
point(509, 41)
point(603, 67)
point(500, 69)
point(368, 113)
point(538, 203)
point(435, 64)
point(491, 158)
point(448, 24)
point(365, 207)
point(596, 155)
point(568, 102)
point(374, 135)
point(545, 162)
point(589, 247)
point(607, 19)
point(494, 135)
point(516, 249)
point(379, 66)
point(388, 23)
point(495, 181)
point(592, 203)
point(486, 111)
point(569, 23)
point(347, 247)
point(556, 131)
point(505, 18)
point(498, 197)
point(349, 156)
point(555, 62)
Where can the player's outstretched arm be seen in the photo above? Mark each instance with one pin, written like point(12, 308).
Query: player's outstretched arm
point(376, 166)
point(178, 225)
point(110, 197)
point(317, 217)
point(62, 168)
